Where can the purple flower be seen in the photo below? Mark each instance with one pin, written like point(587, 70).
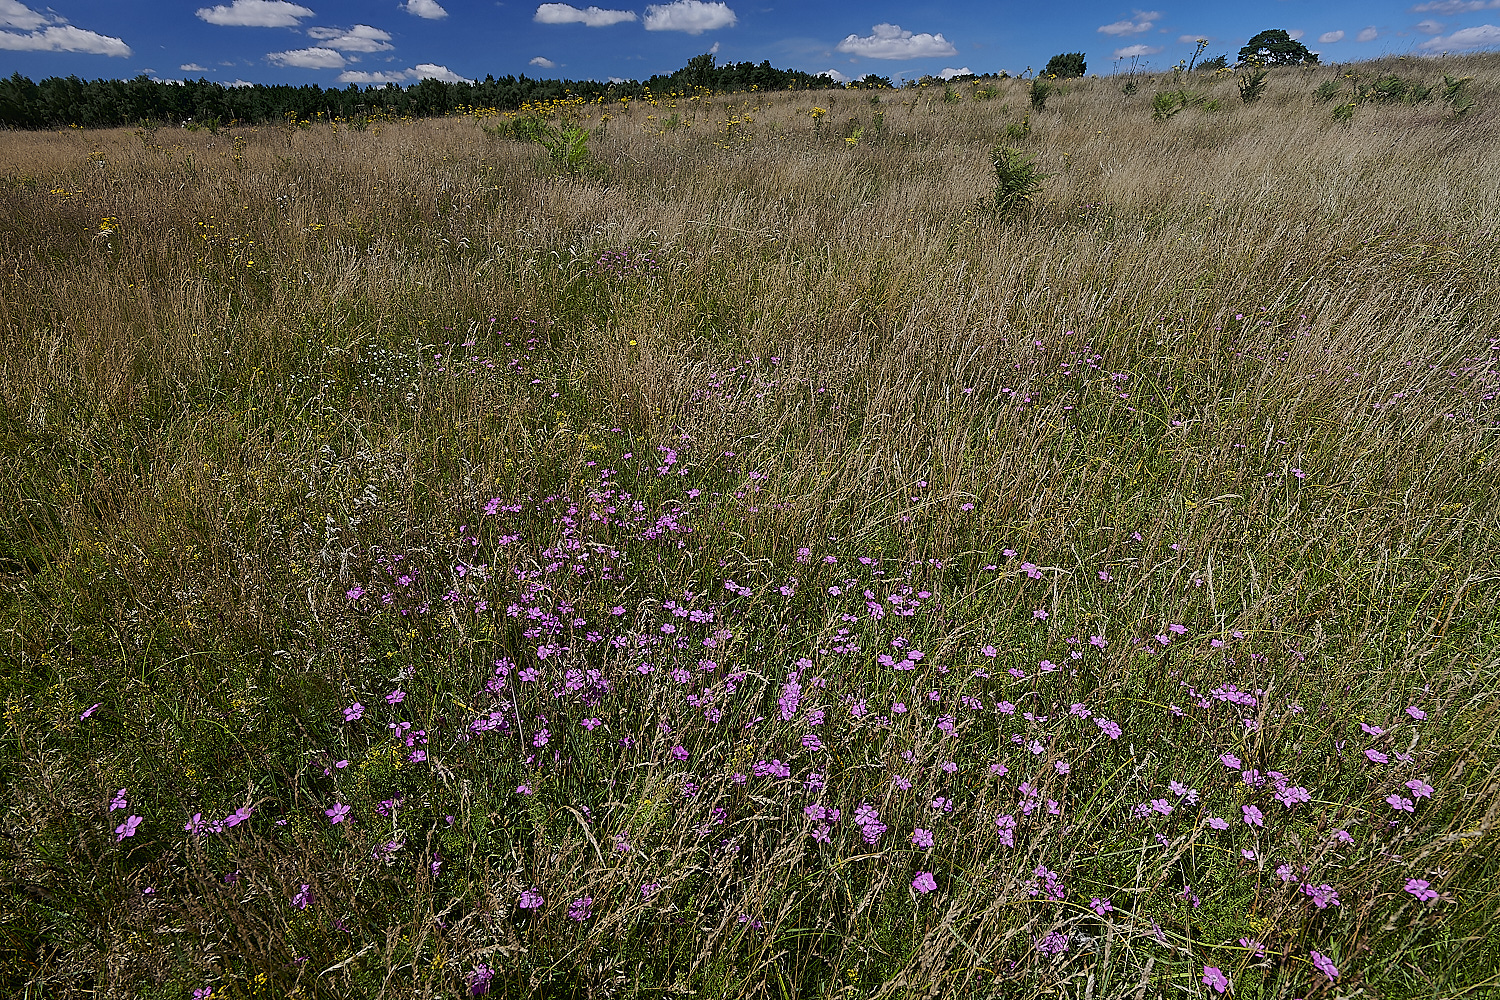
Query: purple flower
point(1419, 888)
point(530, 900)
point(303, 899)
point(1110, 729)
point(95, 707)
point(354, 712)
point(1101, 906)
point(1052, 943)
point(1215, 979)
point(479, 980)
point(1217, 823)
point(1411, 710)
point(204, 993)
point(924, 882)
point(921, 837)
point(1376, 757)
point(1325, 965)
point(1006, 827)
point(1253, 816)
point(1230, 761)
point(118, 802)
point(1419, 788)
point(396, 697)
point(127, 828)
point(1400, 803)
point(580, 909)
point(239, 816)
point(337, 813)
point(650, 889)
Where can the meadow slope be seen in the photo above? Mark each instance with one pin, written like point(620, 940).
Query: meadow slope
point(730, 556)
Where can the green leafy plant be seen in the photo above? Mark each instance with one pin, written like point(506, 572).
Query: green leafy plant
point(1391, 89)
point(1016, 131)
point(986, 93)
point(1344, 112)
point(1218, 62)
point(1252, 86)
point(1040, 91)
point(1017, 179)
point(1327, 90)
point(1167, 103)
point(1066, 65)
point(1130, 89)
point(1456, 94)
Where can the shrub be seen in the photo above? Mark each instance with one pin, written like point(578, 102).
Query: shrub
point(1130, 88)
point(1218, 62)
point(1016, 131)
point(1065, 65)
point(1040, 91)
point(1391, 89)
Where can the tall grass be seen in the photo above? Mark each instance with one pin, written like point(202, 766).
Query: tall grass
point(747, 567)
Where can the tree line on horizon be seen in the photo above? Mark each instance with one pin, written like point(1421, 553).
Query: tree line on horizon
point(71, 101)
point(65, 101)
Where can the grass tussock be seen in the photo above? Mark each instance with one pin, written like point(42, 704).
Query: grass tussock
point(735, 549)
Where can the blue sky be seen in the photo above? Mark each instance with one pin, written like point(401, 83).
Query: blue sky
point(336, 42)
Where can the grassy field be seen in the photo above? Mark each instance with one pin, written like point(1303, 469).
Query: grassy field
point(741, 555)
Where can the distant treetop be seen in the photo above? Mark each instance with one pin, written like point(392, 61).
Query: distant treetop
point(1276, 48)
point(1066, 64)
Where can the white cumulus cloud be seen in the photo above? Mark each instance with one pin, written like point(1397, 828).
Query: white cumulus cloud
point(256, 14)
point(890, 41)
point(1455, 6)
point(1135, 51)
point(1296, 34)
point(836, 76)
point(192, 68)
point(430, 9)
point(1145, 20)
point(1367, 35)
point(64, 38)
point(692, 16)
point(313, 58)
point(592, 17)
point(56, 34)
point(1191, 39)
point(432, 71)
point(949, 73)
point(1329, 37)
point(543, 62)
point(360, 38)
point(14, 14)
point(1483, 36)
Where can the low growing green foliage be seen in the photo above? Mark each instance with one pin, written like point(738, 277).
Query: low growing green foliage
point(1017, 179)
point(1328, 90)
point(1252, 85)
point(1456, 94)
point(1040, 91)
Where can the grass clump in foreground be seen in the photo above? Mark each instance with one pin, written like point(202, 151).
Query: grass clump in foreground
point(429, 574)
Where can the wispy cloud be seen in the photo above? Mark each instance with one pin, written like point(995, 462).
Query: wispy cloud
point(359, 76)
point(1483, 36)
point(1430, 27)
point(360, 38)
point(429, 9)
point(14, 14)
point(192, 68)
point(591, 17)
point(256, 14)
point(313, 58)
point(890, 41)
point(1367, 35)
point(1455, 6)
point(1329, 37)
point(1145, 20)
point(1136, 51)
point(691, 16)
